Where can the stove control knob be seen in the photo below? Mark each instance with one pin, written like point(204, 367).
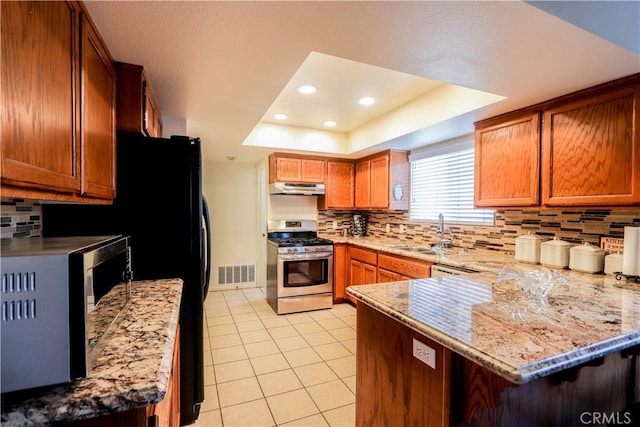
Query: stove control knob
point(291, 250)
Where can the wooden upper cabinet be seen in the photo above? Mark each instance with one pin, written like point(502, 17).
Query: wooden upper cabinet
point(340, 186)
point(291, 168)
point(507, 153)
point(591, 150)
point(40, 144)
point(98, 119)
point(137, 108)
point(382, 181)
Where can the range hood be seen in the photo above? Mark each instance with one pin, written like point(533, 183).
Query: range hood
point(296, 188)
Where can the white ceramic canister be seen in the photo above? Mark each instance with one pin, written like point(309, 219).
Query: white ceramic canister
point(528, 248)
point(613, 263)
point(586, 258)
point(555, 253)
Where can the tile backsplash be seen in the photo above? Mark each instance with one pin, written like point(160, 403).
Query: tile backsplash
point(20, 218)
point(574, 226)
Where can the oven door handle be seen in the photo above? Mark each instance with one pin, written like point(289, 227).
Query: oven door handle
point(306, 256)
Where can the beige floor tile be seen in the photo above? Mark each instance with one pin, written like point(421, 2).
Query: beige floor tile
point(272, 363)
point(331, 351)
point(216, 331)
point(210, 399)
point(308, 328)
point(255, 336)
point(351, 383)
point(331, 395)
point(283, 331)
point(220, 320)
point(209, 419)
point(298, 318)
point(209, 376)
point(316, 373)
point(344, 416)
point(225, 341)
point(207, 359)
point(239, 391)
point(349, 345)
point(213, 313)
point(252, 325)
point(263, 348)
point(349, 320)
point(318, 338)
point(249, 414)
point(342, 310)
point(343, 334)
point(245, 317)
point(333, 323)
point(291, 343)
point(274, 322)
point(321, 315)
point(279, 382)
point(267, 313)
point(228, 354)
point(316, 420)
point(304, 356)
point(343, 367)
point(291, 406)
point(233, 371)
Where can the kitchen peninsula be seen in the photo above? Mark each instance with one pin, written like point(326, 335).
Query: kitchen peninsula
point(492, 357)
point(134, 378)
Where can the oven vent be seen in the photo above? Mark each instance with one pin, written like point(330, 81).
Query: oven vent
point(233, 274)
point(18, 302)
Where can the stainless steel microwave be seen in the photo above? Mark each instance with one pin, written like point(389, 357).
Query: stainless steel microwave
point(59, 297)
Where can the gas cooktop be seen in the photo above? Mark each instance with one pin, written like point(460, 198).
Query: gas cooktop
point(290, 242)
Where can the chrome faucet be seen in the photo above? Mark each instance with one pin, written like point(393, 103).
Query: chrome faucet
point(444, 243)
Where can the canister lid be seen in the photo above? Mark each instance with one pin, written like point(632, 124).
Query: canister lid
point(529, 236)
point(556, 243)
point(587, 248)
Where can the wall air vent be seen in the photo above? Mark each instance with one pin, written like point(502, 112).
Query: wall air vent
point(236, 274)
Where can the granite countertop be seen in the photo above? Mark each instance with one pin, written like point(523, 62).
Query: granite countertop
point(474, 259)
point(131, 371)
point(514, 336)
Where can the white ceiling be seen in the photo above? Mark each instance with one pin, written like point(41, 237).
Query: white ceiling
point(221, 65)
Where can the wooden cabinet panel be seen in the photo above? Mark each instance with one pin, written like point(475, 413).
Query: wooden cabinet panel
point(364, 255)
point(285, 167)
point(591, 151)
point(395, 388)
point(40, 144)
point(137, 109)
point(363, 184)
point(339, 271)
point(406, 267)
point(379, 197)
point(340, 186)
point(507, 170)
point(98, 124)
point(389, 276)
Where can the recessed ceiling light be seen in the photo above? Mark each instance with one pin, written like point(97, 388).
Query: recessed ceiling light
point(306, 89)
point(280, 116)
point(330, 123)
point(367, 100)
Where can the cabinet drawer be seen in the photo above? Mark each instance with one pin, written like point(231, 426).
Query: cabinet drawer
point(364, 255)
point(405, 266)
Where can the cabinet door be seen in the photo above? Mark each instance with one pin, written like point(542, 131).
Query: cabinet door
point(40, 145)
point(387, 276)
point(591, 151)
point(507, 170)
point(380, 182)
point(97, 120)
point(288, 170)
point(363, 184)
point(312, 170)
point(339, 191)
point(369, 273)
point(339, 271)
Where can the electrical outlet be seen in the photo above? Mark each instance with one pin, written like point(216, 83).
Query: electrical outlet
point(335, 225)
point(401, 228)
point(424, 353)
point(388, 228)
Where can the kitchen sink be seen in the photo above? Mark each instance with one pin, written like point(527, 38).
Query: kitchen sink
point(419, 249)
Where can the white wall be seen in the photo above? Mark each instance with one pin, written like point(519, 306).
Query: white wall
point(173, 126)
point(292, 207)
point(231, 191)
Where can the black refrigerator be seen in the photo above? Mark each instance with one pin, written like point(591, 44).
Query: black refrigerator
point(159, 203)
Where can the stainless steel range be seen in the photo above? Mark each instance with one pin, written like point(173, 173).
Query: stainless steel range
point(299, 267)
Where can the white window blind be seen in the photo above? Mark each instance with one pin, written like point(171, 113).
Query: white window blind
point(442, 178)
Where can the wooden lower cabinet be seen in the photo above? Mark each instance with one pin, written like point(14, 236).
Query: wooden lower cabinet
point(405, 268)
point(390, 276)
point(339, 272)
point(393, 387)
